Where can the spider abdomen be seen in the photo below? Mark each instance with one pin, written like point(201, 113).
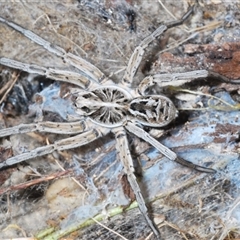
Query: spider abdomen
point(154, 110)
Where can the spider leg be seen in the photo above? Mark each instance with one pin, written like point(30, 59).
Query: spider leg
point(84, 66)
point(64, 144)
point(178, 79)
point(139, 132)
point(50, 127)
point(137, 55)
point(56, 74)
point(127, 162)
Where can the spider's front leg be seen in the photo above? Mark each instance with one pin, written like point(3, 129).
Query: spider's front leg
point(55, 74)
point(68, 143)
point(50, 127)
point(84, 66)
point(127, 162)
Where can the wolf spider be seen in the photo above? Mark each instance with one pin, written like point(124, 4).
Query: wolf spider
point(104, 106)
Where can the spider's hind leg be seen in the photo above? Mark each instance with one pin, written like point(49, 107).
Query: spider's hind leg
point(139, 132)
point(170, 79)
point(126, 159)
point(137, 55)
point(178, 79)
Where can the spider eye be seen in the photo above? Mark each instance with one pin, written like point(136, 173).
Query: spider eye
point(86, 109)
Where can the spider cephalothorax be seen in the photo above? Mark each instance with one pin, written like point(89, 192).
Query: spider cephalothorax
point(106, 106)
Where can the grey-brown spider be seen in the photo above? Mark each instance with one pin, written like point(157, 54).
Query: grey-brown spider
point(104, 107)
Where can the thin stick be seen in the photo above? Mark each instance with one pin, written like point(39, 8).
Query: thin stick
point(9, 88)
point(163, 6)
point(35, 181)
point(54, 29)
point(109, 229)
